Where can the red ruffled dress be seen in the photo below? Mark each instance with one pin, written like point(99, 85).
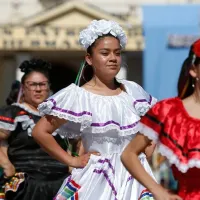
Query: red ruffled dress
point(178, 138)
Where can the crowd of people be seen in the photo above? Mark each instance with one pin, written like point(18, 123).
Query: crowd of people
point(116, 125)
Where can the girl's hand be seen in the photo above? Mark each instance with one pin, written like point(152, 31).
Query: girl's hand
point(162, 194)
point(9, 170)
point(81, 161)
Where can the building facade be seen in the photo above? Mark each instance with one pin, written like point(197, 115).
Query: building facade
point(50, 29)
point(52, 34)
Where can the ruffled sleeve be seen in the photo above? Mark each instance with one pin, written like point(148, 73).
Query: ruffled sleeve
point(154, 120)
point(142, 101)
point(175, 132)
point(10, 116)
point(86, 112)
point(68, 104)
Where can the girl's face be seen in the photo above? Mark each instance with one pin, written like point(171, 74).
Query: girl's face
point(106, 57)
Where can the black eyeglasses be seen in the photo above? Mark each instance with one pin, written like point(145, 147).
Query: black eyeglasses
point(33, 85)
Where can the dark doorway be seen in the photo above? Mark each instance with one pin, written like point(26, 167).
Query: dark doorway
point(65, 66)
point(61, 76)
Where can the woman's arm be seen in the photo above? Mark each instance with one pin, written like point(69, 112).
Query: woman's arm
point(3, 154)
point(81, 149)
point(8, 168)
point(149, 150)
point(42, 133)
point(4, 146)
point(131, 162)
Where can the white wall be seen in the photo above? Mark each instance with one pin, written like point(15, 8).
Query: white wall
point(27, 8)
point(123, 6)
point(30, 7)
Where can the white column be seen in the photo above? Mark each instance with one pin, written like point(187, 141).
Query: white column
point(7, 76)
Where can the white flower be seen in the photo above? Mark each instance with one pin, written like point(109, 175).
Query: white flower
point(98, 28)
point(87, 37)
point(102, 27)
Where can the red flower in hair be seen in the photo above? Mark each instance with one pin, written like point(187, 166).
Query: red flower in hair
point(196, 48)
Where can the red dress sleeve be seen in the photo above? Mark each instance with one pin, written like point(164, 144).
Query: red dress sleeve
point(154, 120)
point(176, 133)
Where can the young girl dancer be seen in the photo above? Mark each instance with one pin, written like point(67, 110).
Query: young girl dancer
point(105, 112)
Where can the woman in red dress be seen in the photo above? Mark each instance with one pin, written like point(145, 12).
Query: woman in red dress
point(174, 124)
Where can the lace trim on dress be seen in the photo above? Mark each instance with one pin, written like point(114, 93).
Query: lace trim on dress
point(168, 153)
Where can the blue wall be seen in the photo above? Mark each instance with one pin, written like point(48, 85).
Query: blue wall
point(161, 64)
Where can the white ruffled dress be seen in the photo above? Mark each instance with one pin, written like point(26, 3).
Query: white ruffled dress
point(106, 124)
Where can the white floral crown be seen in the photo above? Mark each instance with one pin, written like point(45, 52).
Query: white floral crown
point(99, 28)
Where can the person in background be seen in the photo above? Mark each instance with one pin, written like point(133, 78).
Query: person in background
point(29, 172)
point(174, 124)
point(12, 98)
point(105, 113)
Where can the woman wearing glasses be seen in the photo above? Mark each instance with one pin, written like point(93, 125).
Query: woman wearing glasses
point(30, 174)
